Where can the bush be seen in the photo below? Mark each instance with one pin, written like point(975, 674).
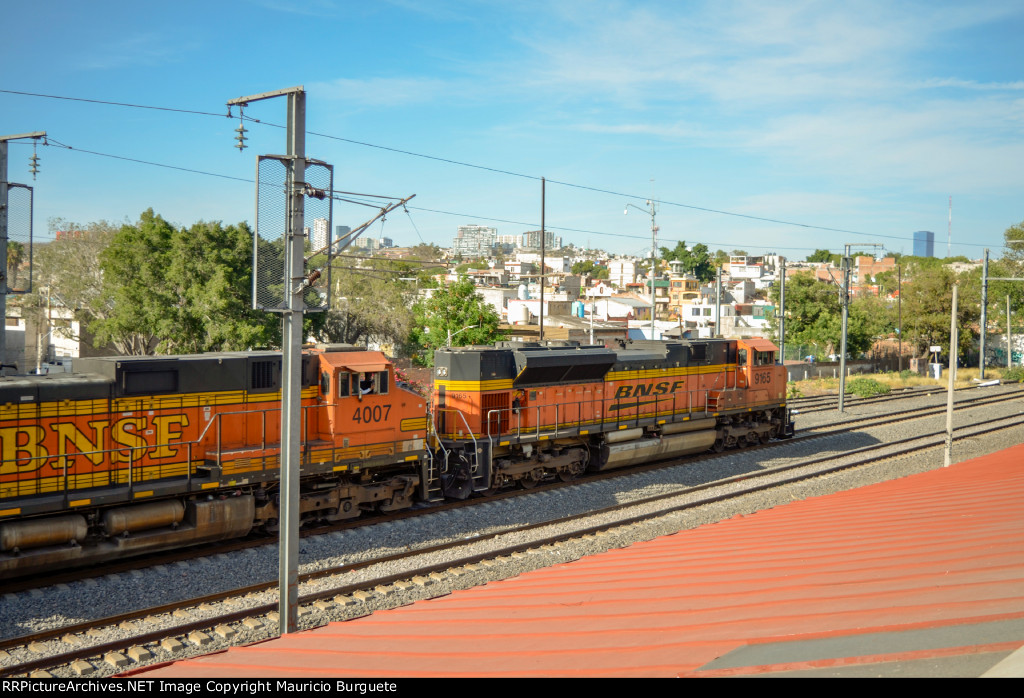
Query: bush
point(866, 387)
point(907, 374)
point(1014, 375)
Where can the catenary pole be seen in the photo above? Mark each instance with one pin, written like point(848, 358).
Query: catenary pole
point(953, 345)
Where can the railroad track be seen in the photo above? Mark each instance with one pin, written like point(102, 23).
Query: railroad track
point(170, 557)
point(207, 617)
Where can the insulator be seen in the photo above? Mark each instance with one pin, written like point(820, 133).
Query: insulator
point(34, 167)
point(314, 192)
point(240, 130)
point(241, 138)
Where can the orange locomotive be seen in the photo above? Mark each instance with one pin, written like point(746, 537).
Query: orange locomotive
point(520, 413)
point(138, 454)
point(135, 454)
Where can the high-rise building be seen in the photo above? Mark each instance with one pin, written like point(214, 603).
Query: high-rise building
point(341, 231)
point(924, 243)
point(531, 240)
point(474, 240)
point(318, 240)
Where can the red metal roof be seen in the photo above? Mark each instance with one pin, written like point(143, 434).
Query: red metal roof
point(845, 578)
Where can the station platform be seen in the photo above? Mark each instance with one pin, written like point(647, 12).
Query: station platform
point(917, 577)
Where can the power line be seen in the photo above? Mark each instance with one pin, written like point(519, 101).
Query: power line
point(460, 163)
point(115, 104)
point(529, 225)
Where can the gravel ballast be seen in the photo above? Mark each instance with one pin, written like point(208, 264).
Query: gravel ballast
point(62, 605)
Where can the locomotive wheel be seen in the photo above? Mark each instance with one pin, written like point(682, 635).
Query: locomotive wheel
point(566, 475)
point(528, 481)
point(718, 446)
point(765, 437)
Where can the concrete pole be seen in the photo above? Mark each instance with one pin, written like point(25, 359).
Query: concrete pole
point(543, 270)
point(718, 302)
point(953, 345)
point(846, 315)
point(654, 265)
point(1009, 339)
point(984, 315)
point(291, 370)
point(782, 311)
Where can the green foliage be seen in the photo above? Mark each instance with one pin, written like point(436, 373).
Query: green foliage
point(589, 268)
point(793, 391)
point(696, 261)
point(927, 303)
point(479, 265)
point(371, 302)
point(175, 290)
point(1014, 237)
point(814, 316)
point(822, 256)
point(866, 387)
point(458, 312)
point(1013, 375)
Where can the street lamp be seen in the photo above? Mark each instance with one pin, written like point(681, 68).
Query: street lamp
point(654, 252)
point(452, 334)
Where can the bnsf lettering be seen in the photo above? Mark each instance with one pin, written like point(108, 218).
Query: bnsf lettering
point(624, 391)
point(29, 448)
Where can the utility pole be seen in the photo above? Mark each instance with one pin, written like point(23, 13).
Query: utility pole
point(846, 314)
point(782, 311)
point(542, 269)
point(654, 254)
point(984, 315)
point(953, 346)
point(4, 221)
point(291, 368)
point(718, 302)
point(899, 312)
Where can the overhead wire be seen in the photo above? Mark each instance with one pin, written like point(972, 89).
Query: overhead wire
point(460, 163)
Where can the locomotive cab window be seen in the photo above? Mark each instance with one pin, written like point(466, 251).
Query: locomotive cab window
point(764, 358)
point(343, 390)
point(382, 382)
point(742, 357)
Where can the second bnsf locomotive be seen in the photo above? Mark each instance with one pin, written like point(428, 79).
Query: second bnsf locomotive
point(520, 413)
point(136, 454)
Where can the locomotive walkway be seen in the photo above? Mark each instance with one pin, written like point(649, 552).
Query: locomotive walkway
point(921, 576)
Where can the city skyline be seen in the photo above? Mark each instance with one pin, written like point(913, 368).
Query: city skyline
point(759, 126)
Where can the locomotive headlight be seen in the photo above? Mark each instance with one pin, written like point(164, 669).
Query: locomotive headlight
point(442, 371)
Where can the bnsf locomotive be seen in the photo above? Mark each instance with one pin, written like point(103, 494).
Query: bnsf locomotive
point(137, 454)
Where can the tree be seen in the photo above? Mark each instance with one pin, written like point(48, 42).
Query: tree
point(15, 256)
point(814, 317)
point(173, 290)
point(68, 270)
point(822, 256)
point(370, 302)
point(208, 282)
point(133, 293)
point(696, 261)
point(456, 313)
point(927, 302)
point(1014, 237)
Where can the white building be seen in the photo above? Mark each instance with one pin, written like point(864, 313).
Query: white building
point(474, 240)
point(621, 272)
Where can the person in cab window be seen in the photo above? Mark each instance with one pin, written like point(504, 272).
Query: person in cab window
point(365, 384)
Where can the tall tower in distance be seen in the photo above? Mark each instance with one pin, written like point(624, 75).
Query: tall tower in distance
point(924, 243)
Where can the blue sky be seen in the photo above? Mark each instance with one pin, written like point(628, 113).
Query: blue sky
point(855, 120)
